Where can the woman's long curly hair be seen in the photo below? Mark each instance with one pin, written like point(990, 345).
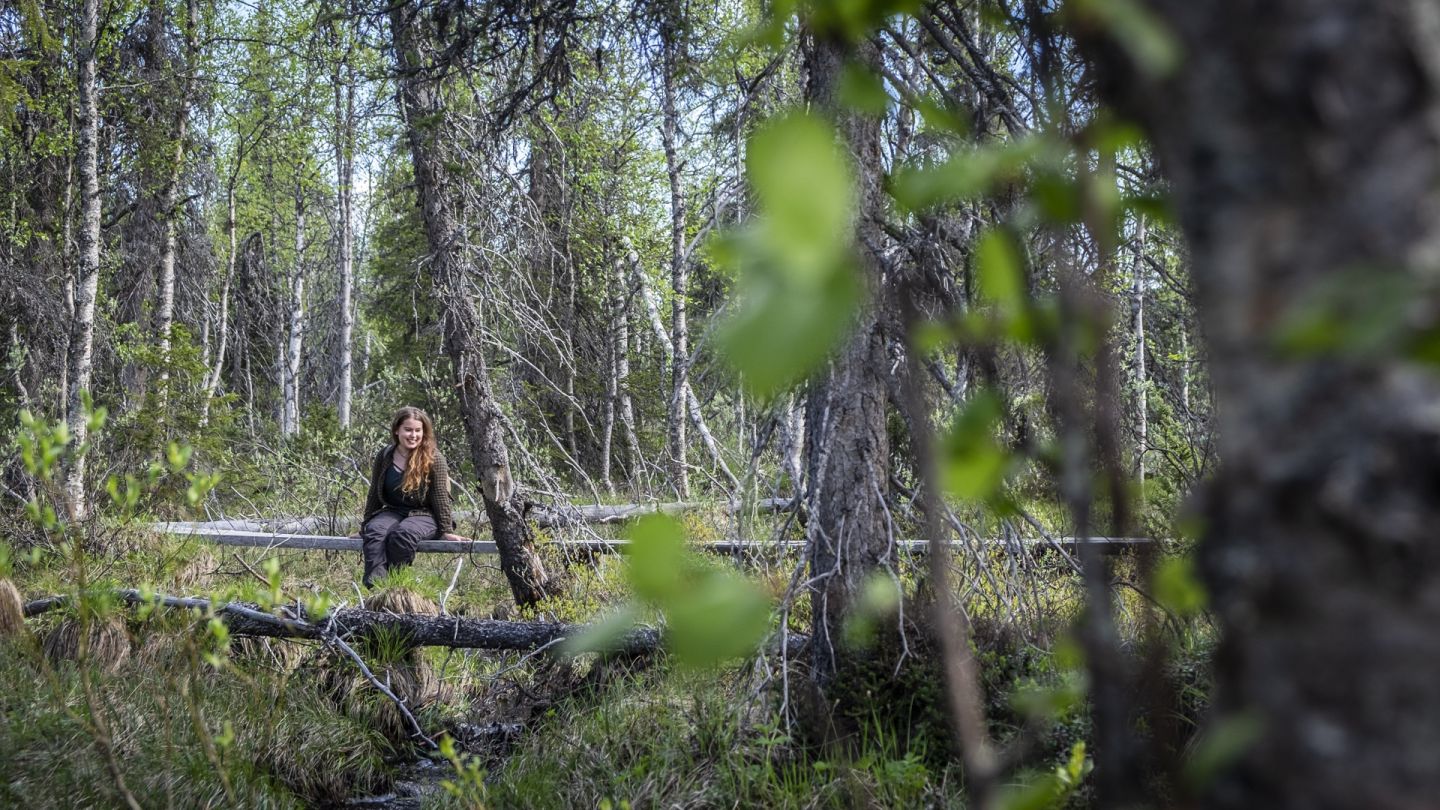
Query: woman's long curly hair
point(417, 469)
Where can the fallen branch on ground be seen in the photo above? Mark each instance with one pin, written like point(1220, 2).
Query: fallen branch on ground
point(419, 630)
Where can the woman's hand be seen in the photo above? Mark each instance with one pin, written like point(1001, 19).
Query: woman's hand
point(454, 538)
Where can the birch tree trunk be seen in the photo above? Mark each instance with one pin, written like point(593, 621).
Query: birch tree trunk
point(212, 383)
point(344, 138)
point(679, 340)
point(657, 327)
point(1303, 147)
point(170, 194)
point(295, 330)
point(624, 404)
point(82, 334)
point(424, 114)
point(1140, 379)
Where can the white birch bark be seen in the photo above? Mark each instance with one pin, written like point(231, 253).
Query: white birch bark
point(1137, 325)
point(290, 420)
point(345, 262)
point(679, 335)
point(170, 195)
point(82, 340)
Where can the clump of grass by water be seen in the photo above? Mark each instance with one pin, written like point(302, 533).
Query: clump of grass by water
point(104, 640)
point(12, 610)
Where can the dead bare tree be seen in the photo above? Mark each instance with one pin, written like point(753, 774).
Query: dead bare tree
point(422, 105)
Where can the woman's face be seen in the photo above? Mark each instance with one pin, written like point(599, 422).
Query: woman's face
point(410, 433)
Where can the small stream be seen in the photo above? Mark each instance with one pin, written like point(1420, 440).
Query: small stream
point(416, 781)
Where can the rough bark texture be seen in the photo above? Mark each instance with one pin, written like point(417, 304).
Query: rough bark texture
point(1302, 139)
point(424, 112)
point(849, 451)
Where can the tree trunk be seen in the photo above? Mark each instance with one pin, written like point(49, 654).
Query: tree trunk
point(1139, 380)
point(212, 383)
point(344, 260)
point(82, 335)
point(1304, 152)
point(624, 405)
point(657, 327)
point(170, 194)
point(849, 449)
point(290, 408)
point(679, 340)
point(424, 114)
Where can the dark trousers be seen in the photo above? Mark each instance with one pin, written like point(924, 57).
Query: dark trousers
point(389, 539)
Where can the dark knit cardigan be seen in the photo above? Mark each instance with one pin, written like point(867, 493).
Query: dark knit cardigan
point(436, 495)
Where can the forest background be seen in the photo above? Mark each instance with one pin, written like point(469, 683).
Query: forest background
point(847, 275)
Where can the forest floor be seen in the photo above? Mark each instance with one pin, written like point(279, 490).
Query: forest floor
point(175, 713)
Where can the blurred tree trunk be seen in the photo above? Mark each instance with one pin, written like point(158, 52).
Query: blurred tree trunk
point(1303, 145)
point(424, 114)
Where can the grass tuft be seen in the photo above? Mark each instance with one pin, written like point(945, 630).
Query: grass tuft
point(12, 610)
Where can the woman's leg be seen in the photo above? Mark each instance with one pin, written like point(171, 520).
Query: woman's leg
point(372, 540)
point(400, 545)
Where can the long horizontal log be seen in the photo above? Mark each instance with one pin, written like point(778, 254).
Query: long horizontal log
point(542, 515)
point(255, 539)
point(421, 630)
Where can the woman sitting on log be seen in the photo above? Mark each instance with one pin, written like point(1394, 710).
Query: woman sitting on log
point(409, 497)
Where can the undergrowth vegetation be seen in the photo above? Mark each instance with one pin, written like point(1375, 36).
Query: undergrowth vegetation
point(111, 703)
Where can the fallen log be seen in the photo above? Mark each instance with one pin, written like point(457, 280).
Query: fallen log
point(280, 540)
point(543, 515)
point(420, 630)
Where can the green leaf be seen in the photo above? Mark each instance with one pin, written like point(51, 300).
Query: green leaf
point(1142, 35)
point(974, 464)
point(785, 331)
point(1220, 746)
point(604, 634)
point(861, 90)
point(798, 288)
point(722, 617)
point(806, 190)
point(965, 175)
point(1177, 587)
point(655, 558)
point(1361, 313)
point(1000, 271)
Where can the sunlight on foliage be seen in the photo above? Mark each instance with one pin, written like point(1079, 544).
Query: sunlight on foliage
point(1050, 790)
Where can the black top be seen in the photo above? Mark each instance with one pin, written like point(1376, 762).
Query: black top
point(435, 494)
point(394, 494)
